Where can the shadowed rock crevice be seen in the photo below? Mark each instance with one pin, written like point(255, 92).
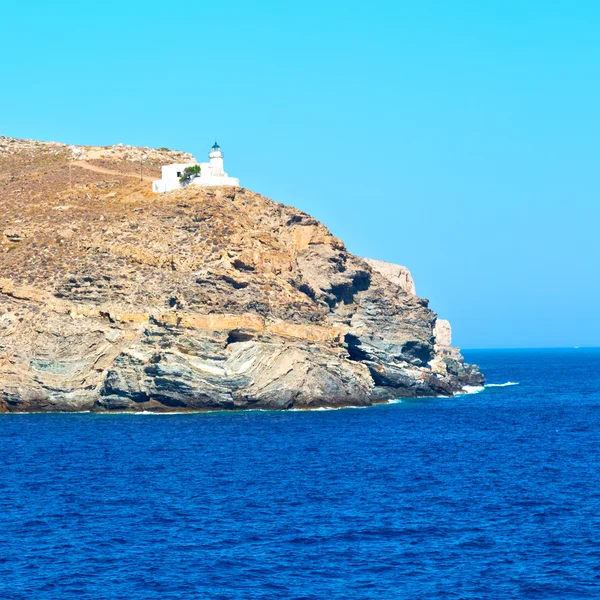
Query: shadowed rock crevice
point(306, 289)
point(417, 353)
point(353, 345)
point(346, 291)
point(236, 336)
point(240, 265)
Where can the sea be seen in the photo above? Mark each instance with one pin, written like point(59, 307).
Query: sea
point(491, 494)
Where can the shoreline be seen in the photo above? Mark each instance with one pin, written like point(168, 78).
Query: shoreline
point(472, 390)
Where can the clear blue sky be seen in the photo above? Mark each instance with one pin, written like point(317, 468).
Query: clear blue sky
point(461, 138)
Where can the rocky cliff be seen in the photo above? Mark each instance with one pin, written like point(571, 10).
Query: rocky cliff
point(114, 298)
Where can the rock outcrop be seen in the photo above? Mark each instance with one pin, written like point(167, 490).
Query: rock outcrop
point(442, 333)
point(113, 298)
point(397, 274)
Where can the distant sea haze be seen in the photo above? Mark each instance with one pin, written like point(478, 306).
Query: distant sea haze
point(486, 495)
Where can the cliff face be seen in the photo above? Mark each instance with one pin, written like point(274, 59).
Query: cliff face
point(113, 298)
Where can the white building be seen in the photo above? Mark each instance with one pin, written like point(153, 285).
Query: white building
point(211, 173)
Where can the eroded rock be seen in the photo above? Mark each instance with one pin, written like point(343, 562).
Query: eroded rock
point(199, 299)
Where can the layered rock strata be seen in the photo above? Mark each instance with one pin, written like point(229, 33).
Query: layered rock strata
point(112, 298)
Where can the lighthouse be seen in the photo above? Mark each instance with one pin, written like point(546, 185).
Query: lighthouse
point(216, 161)
point(210, 174)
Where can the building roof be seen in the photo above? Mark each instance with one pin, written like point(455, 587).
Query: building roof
point(216, 146)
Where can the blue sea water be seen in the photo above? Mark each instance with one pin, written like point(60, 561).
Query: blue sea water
point(488, 495)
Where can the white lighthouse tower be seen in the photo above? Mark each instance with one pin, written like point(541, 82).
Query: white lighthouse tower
point(216, 161)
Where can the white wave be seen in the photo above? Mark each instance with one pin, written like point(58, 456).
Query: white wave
point(150, 412)
point(470, 389)
point(57, 412)
point(324, 408)
point(487, 385)
point(395, 401)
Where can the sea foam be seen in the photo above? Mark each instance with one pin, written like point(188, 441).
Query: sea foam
point(470, 389)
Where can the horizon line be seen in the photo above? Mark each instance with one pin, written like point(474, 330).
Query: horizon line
point(533, 348)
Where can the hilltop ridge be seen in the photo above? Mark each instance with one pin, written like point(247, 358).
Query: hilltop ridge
point(115, 298)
